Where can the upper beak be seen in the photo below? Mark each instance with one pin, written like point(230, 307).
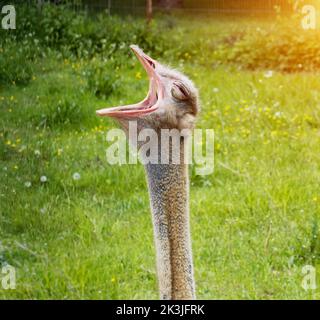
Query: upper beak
point(150, 103)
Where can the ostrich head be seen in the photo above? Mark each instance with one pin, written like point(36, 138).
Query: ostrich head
point(171, 103)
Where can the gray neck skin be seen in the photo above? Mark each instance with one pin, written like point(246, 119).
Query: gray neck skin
point(169, 195)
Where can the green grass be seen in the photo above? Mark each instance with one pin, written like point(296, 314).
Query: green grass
point(254, 221)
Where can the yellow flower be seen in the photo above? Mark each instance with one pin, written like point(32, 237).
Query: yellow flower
point(187, 55)
point(214, 113)
point(315, 199)
point(138, 75)
point(8, 143)
point(113, 279)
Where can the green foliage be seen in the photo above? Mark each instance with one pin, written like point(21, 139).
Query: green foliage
point(59, 27)
point(235, 4)
point(285, 47)
point(73, 35)
point(102, 78)
point(15, 63)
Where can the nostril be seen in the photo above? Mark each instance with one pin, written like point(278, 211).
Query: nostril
point(151, 63)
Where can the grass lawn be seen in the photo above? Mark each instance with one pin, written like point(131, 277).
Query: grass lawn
point(254, 221)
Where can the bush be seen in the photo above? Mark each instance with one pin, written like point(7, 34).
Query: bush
point(101, 77)
point(285, 47)
point(15, 64)
point(58, 27)
point(76, 34)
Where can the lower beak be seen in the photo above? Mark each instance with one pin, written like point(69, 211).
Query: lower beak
point(150, 103)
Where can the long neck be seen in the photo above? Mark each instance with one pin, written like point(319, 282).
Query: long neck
point(169, 193)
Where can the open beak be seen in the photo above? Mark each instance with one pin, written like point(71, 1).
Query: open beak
point(150, 103)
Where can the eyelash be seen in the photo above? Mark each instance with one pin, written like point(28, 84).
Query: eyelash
point(182, 90)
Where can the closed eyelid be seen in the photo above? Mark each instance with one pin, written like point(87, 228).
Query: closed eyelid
point(182, 88)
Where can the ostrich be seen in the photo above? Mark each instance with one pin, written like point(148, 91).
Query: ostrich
point(171, 103)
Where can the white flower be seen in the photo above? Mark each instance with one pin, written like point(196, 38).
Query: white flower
point(76, 176)
point(23, 147)
point(37, 153)
point(27, 184)
point(278, 114)
point(207, 183)
point(268, 74)
point(215, 90)
point(43, 179)
point(43, 210)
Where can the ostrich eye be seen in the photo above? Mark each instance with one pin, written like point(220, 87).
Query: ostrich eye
point(179, 91)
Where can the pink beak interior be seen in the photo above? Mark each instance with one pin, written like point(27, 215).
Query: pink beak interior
point(150, 103)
